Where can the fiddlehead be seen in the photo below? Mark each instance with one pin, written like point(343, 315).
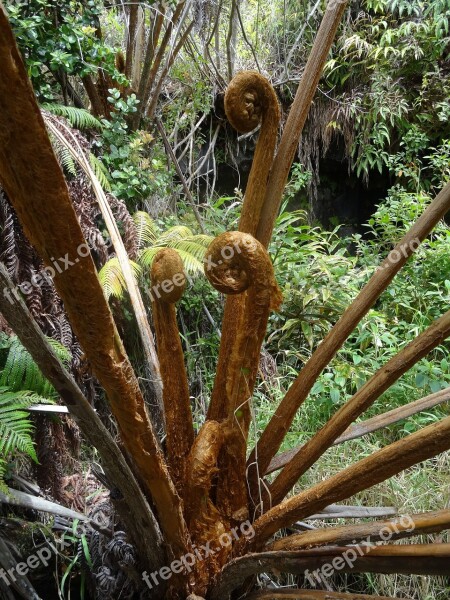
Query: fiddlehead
point(236, 263)
point(168, 284)
point(249, 101)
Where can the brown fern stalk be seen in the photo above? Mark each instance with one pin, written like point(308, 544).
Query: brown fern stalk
point(370, 425)
point(297, 118)
point(312, 595)
point(240, 264)
point(281, 421)
point(168, 284)
point(249, 100)
point(38, 192)
point(361, 401)
point(379, 466)
point(397, 529)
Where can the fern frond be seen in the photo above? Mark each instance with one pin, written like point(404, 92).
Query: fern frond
point(64, 157)
point(15, 424)
point(177, 232)
point(77, 117)
point(21, 372)
point(147, 230)
point(112, 279)
point(100, 171)
point(197, 248)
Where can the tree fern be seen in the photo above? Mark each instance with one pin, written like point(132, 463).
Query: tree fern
point(21, 385)
point(147, 230)
point(64, 157)
point(77, 117)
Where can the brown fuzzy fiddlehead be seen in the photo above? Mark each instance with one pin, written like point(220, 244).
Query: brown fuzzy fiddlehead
point(236, 263)
point(249, 101)
point(168, 284)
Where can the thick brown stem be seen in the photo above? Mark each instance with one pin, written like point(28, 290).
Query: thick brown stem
point(38, 192)
point(249, 100)
point(168, 284)
point(281, 421)
point(311, 595)
point(238, 263)
point(134, 510)
point(204, 521)
point(361, 401)
point(426, 559)
point(370, 425)
point(395, 529)
point(378, 467)
point(133, 17)
point(145, 77)
point(97, 106)
point(148, 81)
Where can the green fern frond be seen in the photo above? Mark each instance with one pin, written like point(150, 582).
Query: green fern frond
point(177, 232)
point(21, 372)
point(100, 171)
point(146, 255)
point(15, 423)
point(112, 279)
point(63, 156)
point(147, 230)
point(77, 117)
point(194, 245)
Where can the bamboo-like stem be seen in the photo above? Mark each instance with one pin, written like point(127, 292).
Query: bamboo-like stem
point(395, 529)
point(35, 185)
point(361, 401)
point(145, 80)
point(369, 471)
point(281, 421)
point(143, 531)
point(370, 425)
point(167, 273)
point(159, 56)
point(425, 559)
point(297, 118)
